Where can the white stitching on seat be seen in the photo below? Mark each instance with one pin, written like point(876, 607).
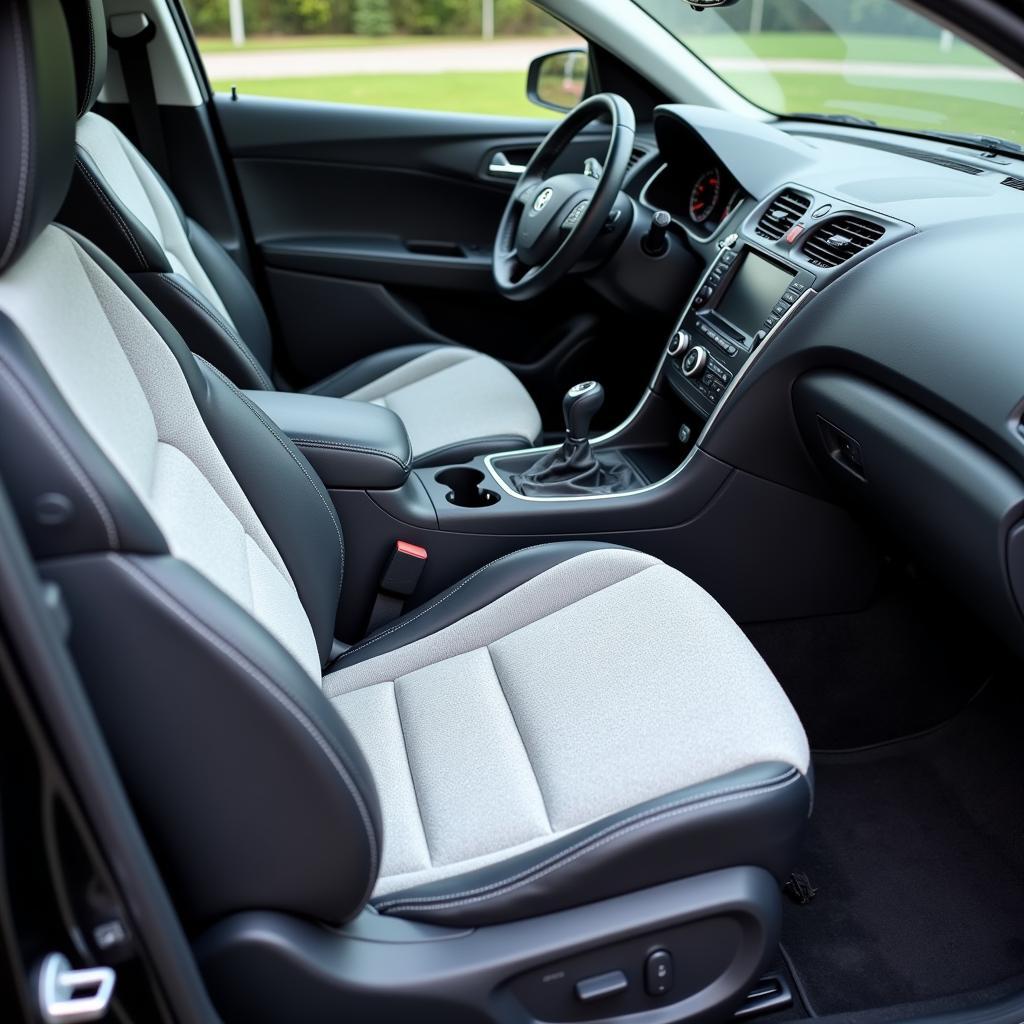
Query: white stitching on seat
point(243, 349)
point(599, 839)
point(63, 453)
point(114, 212)
point(451, 593)
point(343, 447)
point(266, 683)
point(19, 201)
point(270, 426)
point(91, 78)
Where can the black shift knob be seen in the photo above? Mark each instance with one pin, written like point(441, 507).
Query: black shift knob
point(580, 407)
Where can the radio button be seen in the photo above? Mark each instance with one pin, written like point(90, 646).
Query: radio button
point(679, 344)
point(695, 361)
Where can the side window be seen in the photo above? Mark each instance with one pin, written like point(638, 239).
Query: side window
point(464, 56)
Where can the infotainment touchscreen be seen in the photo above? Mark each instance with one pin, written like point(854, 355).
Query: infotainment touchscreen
point(754, 289)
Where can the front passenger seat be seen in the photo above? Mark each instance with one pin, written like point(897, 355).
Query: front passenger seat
point(574, 742)
point(455, 402)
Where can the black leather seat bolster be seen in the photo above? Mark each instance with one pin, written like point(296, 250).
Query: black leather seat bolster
point(478, 589)
point(351, 445)
point(244, 778)
point(754, 816)
point(93, 208)
point(367, 370)
point(207, 332)
point(236, 292)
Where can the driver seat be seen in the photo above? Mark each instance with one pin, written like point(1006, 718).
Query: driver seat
point(456, 403)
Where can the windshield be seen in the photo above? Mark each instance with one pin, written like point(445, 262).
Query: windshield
point(869, 59)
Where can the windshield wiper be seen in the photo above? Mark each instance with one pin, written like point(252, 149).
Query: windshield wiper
point(834, 119)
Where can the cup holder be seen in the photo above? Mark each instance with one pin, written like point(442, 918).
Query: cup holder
point(464, 488)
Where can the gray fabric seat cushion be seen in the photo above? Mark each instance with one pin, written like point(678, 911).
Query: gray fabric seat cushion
point(607, 681)
point(454, 402)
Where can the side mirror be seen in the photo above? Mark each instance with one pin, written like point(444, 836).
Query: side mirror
point(558, 80)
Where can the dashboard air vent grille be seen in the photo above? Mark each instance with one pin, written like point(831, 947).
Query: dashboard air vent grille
point(841, 239)
point(1014, 183)
point(635, 157)
point(945, 161)
point(785, 210)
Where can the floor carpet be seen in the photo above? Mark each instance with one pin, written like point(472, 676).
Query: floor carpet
point(917, 850)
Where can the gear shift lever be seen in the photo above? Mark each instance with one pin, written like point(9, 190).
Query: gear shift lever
point(581, 404)
point(575, 469)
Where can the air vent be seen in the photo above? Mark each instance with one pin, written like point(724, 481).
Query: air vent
point(635, 157)
point(1014, 183)
point(785, 210)
point(840, 239)
point(945, 161)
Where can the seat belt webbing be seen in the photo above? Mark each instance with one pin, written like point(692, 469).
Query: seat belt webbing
point(130, 35)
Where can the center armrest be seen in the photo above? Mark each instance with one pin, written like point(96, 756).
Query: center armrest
point(351, 445)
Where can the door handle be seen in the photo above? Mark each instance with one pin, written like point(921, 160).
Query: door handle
point(501, 166)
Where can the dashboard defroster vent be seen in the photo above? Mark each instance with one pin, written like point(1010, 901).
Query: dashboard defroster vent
point(841, 239)
point(783, 212)
point(1012, 182)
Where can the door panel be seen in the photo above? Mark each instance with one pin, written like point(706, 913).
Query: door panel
point(375, 227)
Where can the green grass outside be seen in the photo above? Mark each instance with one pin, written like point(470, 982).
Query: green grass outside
point(818, 45)
point(219, 44)
point(992, 108)
point(980, 107)
point(470, 92)
point(826, 46)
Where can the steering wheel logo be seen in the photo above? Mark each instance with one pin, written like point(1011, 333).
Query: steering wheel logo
point(543, 199)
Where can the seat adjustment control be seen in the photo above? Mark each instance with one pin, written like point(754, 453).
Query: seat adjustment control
point(659, 974)
point(601, 986)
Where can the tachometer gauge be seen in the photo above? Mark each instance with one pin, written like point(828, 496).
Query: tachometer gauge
point(705, 195)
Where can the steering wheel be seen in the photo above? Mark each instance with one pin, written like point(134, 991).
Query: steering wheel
point(551, 222)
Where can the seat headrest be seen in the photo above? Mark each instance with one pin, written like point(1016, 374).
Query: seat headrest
point(88, 30)
point(37, 121)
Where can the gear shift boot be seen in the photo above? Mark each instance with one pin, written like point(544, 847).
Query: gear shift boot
point(576, 469)
point(578, 472)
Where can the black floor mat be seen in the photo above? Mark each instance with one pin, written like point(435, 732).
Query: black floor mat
point(906, 664)
point(917, 850)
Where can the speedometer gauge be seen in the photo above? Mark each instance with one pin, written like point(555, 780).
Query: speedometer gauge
point(705, 195)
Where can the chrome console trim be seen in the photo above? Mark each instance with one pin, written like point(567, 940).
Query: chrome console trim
point(489, 460)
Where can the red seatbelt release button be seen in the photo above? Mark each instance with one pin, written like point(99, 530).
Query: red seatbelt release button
point(404, 569)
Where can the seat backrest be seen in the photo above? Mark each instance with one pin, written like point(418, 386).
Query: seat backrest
point(118, 200)
point(199, 555)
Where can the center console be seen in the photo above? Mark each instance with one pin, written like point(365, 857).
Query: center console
point(648, 484)
point(743, 299)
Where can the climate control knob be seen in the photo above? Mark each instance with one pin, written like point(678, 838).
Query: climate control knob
point(679, 344)
point(695, 361)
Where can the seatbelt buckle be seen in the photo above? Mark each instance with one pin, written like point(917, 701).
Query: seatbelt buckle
point(398, 582)
point(404, 569)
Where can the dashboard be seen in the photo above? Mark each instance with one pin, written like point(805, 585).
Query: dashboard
point(858, 329)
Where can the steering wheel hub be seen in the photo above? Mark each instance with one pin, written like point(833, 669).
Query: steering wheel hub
point(552, 220)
